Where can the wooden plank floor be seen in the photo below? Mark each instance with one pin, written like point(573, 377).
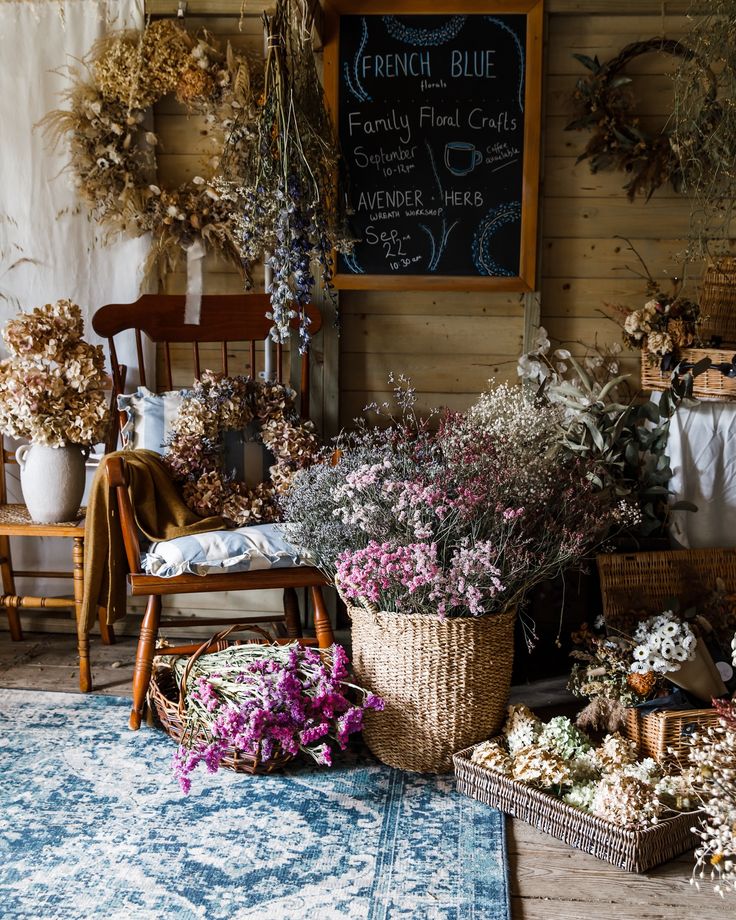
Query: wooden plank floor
point(550, 881)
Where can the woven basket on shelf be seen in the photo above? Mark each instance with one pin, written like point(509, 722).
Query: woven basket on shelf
point(709, 385)
point(664, 735)
point(648, 581)
point(445, 683)
point(633, 850)
point(166, 700)
point(718, 301)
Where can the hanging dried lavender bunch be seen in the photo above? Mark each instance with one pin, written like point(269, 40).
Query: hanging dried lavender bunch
point(290, 208)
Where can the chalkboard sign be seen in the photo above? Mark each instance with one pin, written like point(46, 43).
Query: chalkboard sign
point(438, 120)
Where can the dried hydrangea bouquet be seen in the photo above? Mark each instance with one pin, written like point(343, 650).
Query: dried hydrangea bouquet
point(433, 538)
point(51, 393)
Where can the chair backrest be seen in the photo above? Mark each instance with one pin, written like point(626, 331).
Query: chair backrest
point(225, 319)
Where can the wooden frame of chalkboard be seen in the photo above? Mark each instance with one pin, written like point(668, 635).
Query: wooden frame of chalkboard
point(438, 110)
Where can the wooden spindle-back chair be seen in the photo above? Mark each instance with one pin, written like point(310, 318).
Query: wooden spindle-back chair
point(225, 319)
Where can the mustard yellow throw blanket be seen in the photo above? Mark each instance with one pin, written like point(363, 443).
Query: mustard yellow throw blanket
point(160, 514)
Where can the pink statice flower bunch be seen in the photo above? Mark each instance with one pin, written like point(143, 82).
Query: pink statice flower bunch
point(269, 700)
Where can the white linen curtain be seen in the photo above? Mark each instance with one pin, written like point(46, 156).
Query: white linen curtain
point(40, 215)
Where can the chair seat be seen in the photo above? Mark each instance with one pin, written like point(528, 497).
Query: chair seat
point(16, 521)
point(245, 549)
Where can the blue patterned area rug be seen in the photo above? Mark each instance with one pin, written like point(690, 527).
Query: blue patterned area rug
point(93, 825)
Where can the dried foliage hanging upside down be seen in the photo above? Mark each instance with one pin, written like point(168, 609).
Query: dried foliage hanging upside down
point(113, 155)
point(194, 454)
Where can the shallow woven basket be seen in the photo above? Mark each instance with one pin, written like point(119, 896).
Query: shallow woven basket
point(664, 735)
point(633, 850)
point(165, 698)
point(709, 385)
point(445, 683)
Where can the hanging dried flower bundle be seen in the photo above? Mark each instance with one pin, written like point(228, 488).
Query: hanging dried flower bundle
point(290, 209)
point(113, 152)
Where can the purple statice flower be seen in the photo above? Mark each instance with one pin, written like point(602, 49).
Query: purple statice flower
point(372, 701)
point(347, 724)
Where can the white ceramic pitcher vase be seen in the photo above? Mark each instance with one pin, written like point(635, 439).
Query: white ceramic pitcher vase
point(52, 480)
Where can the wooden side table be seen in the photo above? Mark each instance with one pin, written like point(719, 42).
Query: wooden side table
point(16, 522)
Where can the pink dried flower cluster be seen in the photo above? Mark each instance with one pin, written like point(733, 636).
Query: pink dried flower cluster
point(52, 385)
point(458, 522)
point(268, 700)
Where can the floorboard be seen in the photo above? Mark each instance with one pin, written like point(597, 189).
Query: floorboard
point(550, 880)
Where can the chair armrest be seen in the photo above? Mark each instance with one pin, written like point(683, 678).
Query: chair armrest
point(117, 477)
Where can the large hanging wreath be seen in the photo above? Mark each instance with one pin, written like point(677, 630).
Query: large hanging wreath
point(608, 107)
point(194, 454)
point(113, 152)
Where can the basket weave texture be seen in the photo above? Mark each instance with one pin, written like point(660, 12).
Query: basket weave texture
point(718, 300)
point(445, 683)
point(709, 385)
point(647, 581)
point(664, 735)
point(633, 850)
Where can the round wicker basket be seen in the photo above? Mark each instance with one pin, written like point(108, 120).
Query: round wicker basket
point(445, 683)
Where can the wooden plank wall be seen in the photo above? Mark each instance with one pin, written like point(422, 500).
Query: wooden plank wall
point(450, 343)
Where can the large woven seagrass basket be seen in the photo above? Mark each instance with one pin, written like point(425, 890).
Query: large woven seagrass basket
point(445, 683)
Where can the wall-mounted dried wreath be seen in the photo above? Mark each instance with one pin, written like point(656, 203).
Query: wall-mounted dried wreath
point(607, 106)
point(113, 154)
point(216, 405)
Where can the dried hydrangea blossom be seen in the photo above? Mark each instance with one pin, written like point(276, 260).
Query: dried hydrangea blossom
point(561, 737)
point(195, 448)
point(626, 800)
point(521, 729)
point(540, 768)
point(581, 795)
point(491, 755)
point(52, 384)
point(615, 751)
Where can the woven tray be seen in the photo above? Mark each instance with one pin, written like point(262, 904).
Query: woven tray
point(710, 385)
point(664, 735)
point(633, 850)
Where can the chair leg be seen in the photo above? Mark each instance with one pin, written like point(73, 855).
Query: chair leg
point(6, 570)
point(106, 629)
point(291, 614)
point(322, 624)
point(85, 669)
point(144, 659)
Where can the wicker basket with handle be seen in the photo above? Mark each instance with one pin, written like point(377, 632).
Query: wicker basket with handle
point(167, 701)
point(664, 735)
point(445, 683)
point(635, 850)
point(709, 385)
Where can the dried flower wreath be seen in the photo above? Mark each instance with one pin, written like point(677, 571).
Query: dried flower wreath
point(216, 405)
point(606, 105)
point(113, 154)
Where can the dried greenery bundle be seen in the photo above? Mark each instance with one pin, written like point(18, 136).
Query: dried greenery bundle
point(113, 153)
point(289, 203)
point(707, 152)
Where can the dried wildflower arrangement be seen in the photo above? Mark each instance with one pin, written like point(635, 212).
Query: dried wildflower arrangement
point(113, 154)
point(270, 701)
point(51, 386)
point(606, 779)
point(607, 106)
point(711, 770)
point(707, 151)
point(290, 209)
point(456, 522)
point(194, 450)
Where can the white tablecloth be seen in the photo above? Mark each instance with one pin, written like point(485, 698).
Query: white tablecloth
point(702, 452)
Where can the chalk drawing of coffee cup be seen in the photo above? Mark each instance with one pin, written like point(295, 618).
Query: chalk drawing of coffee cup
point(461, 157)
